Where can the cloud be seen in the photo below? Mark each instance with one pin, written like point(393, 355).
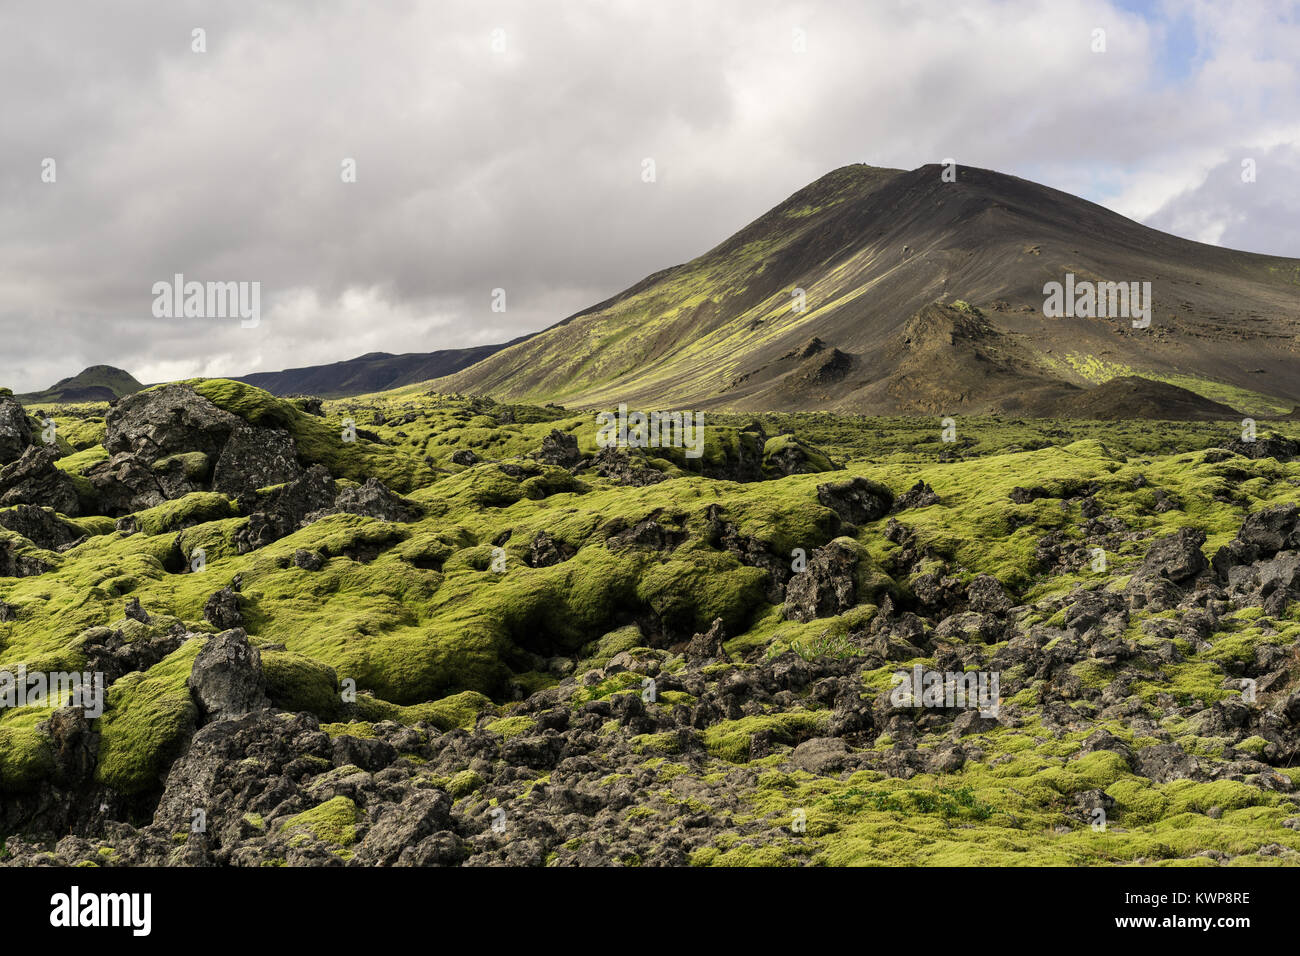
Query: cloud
point(519, 166)
point(1233, 205)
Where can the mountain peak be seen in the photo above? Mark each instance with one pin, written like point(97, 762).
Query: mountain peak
point(861, 259)
point(98, 383)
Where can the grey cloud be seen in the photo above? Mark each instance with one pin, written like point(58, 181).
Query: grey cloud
point(520, 170)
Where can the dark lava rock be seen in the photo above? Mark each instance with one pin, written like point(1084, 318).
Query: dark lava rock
point(401, 828)
point(15, 430)
point(125, 484)
point(41, 526)
point(14, 564)
point(308, 560)
point(820, 755)
point(168, 421)
point(136, 612)
point(286, 508)
point(255, 458)
point(109, 652)
point(920, 495)
point(222, 610)
point(1165, 762)
point(227, 678)
point(707, 646)
point(857, 501)
point(74, 744)
point(826, 587)
point(650, 534)
point(463, 456)
point(1170, 564)
point(34, 479)
point(626, 469)
point(545, 551)
point(559, 448)
point(1283, 449)
point(985, 593)
point(1261, 535)
point(374, 500)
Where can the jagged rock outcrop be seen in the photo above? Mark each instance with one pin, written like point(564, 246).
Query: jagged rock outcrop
point(857, 501)
point(15, 430)
point(826, 587)
point(284, 509)
point(34, 479)
point(255, 458)
point(227, 679)
point(41, 526)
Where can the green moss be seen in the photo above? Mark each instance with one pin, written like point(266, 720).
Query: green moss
point(598, 653)
point(26, 757)
point(319, 441)
point(197, 507)
point(333, 822)
point(729, 740)
point(509, 727)
point(194, 465)
point(662, 744)
point(148, 718)
point(463, 784)
point(295, 682)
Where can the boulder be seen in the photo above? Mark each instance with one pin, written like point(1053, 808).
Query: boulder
point(707, 646)
point(286, 508)
point(374, 500)
point(15, 430)
point(545, 551)
point(857, 501)
point(985, 593)
point(920, 495)
point(168, 421)
point(125, 484)
point(559, 448)
point(255, 458)
point(227, 679)
point(222, 610)
point(821, 755)
point(41, 526)
point(826, 587)
point(34, 479)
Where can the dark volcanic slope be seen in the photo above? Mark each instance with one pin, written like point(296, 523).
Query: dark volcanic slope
point(1133, 397)
point(373, 372)
point(874, 250)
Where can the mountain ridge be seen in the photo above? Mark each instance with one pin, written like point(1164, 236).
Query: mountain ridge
point(872, 249)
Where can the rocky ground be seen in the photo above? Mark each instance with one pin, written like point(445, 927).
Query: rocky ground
point(434, 630)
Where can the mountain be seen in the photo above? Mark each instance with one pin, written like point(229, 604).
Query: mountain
point(374, 372)
point(923, 297)
point(99, 383)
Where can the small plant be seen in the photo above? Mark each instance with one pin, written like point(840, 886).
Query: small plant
point(837, 646)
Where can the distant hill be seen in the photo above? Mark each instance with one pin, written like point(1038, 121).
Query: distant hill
point(1133, 397)
point(374, 372)
point(884, 291)
point(99, 383)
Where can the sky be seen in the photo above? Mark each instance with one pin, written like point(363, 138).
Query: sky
point(500, 150)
